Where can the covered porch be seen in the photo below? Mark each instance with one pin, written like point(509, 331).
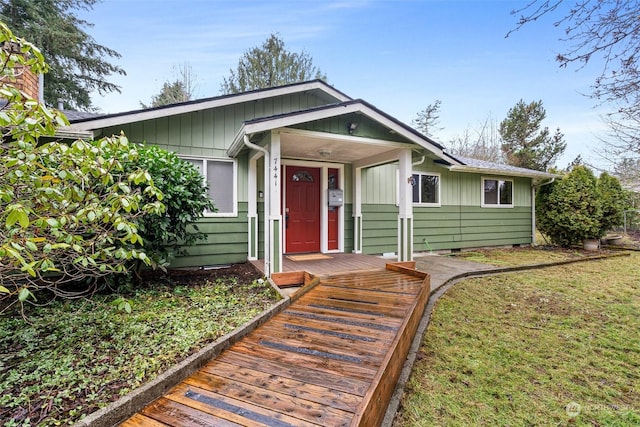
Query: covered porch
point(331, 146)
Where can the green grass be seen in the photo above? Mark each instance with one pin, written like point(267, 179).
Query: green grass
point(510, 257)
point(73, 357)
point(516, 349)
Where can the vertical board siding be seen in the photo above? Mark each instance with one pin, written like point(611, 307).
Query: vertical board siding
point(210, 132)
point(379, 184)
point(368, 128)
point(459, 223)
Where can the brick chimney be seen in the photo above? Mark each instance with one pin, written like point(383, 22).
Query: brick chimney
point(27, 81)
point(24, 79)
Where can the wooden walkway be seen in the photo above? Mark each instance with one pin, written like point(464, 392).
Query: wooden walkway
point(332, 358)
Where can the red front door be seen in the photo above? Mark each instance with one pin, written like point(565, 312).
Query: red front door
point(302, 209)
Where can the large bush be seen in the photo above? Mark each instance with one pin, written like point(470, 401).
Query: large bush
point(614, 202)
point(185, 200)
point(69, 215)
point(579, 206)
point(68, 212)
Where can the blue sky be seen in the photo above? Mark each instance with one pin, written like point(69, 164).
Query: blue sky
point(398, 55)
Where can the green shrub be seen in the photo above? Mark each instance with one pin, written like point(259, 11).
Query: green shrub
point(569, 210)
point(614, 202)
point(185, 200)
point(580, 206)
point(68, 212)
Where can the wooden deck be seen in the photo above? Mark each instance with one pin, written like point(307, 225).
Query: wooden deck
point(332, 358)
point(334, 263)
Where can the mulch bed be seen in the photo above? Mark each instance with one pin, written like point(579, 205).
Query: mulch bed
point(244, 273)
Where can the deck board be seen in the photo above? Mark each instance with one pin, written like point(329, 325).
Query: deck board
point(331, 358)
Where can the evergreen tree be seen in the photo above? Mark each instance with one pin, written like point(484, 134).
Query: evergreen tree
point(428, 120)
point(525, 143)
point(268, 66)
point(180, 90)
point(78, 65)
point(614, 202)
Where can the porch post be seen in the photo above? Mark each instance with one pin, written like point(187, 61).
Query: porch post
point(405, 211)
point(275, 210)
point(252, 214)
point(357, 210)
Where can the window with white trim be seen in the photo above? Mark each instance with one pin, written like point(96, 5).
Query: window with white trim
point(220, 176)
point(426, 188)
point(497, 193)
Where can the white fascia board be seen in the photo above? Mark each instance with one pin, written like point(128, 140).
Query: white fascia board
point(141, 115)
point(70, 133)
point(325, 113)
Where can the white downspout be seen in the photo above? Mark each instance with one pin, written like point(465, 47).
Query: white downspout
point(419, 162)
point(533, 209)
point(267, 199)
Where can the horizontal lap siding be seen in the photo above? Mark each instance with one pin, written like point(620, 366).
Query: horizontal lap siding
point(379, 228)
point(459, 223)
point(453, 227)
point(348, 227)
point(226, 241)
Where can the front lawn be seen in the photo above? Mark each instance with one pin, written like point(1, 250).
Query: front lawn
point(558, 346)
point(511, 257)
point(70, 358)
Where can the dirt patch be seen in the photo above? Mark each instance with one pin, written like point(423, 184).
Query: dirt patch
point(243, 273)
point(548, 304)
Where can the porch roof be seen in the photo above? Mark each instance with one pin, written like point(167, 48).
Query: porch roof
point(357, 106)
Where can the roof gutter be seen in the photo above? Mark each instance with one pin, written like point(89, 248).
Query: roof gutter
point(472, 169)
point(267, 200)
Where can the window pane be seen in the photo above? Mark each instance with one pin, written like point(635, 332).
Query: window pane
point(429, 184)
point(220, 181)
point(506, 192)
point(415, 183)
point(197, 164)
point(490, 192)
point(302, 176)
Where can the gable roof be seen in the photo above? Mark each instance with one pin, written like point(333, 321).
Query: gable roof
point(337, 104)
point(327, 111)
point(73, 115)
point(318, 86)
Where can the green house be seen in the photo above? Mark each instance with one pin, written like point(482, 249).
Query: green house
point(305, 168)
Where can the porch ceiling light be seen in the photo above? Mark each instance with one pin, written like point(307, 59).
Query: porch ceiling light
point(351, 127)
point(324, 152)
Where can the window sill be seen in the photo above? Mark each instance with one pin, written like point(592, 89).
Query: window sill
point(497, 206)
point(427, 205)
